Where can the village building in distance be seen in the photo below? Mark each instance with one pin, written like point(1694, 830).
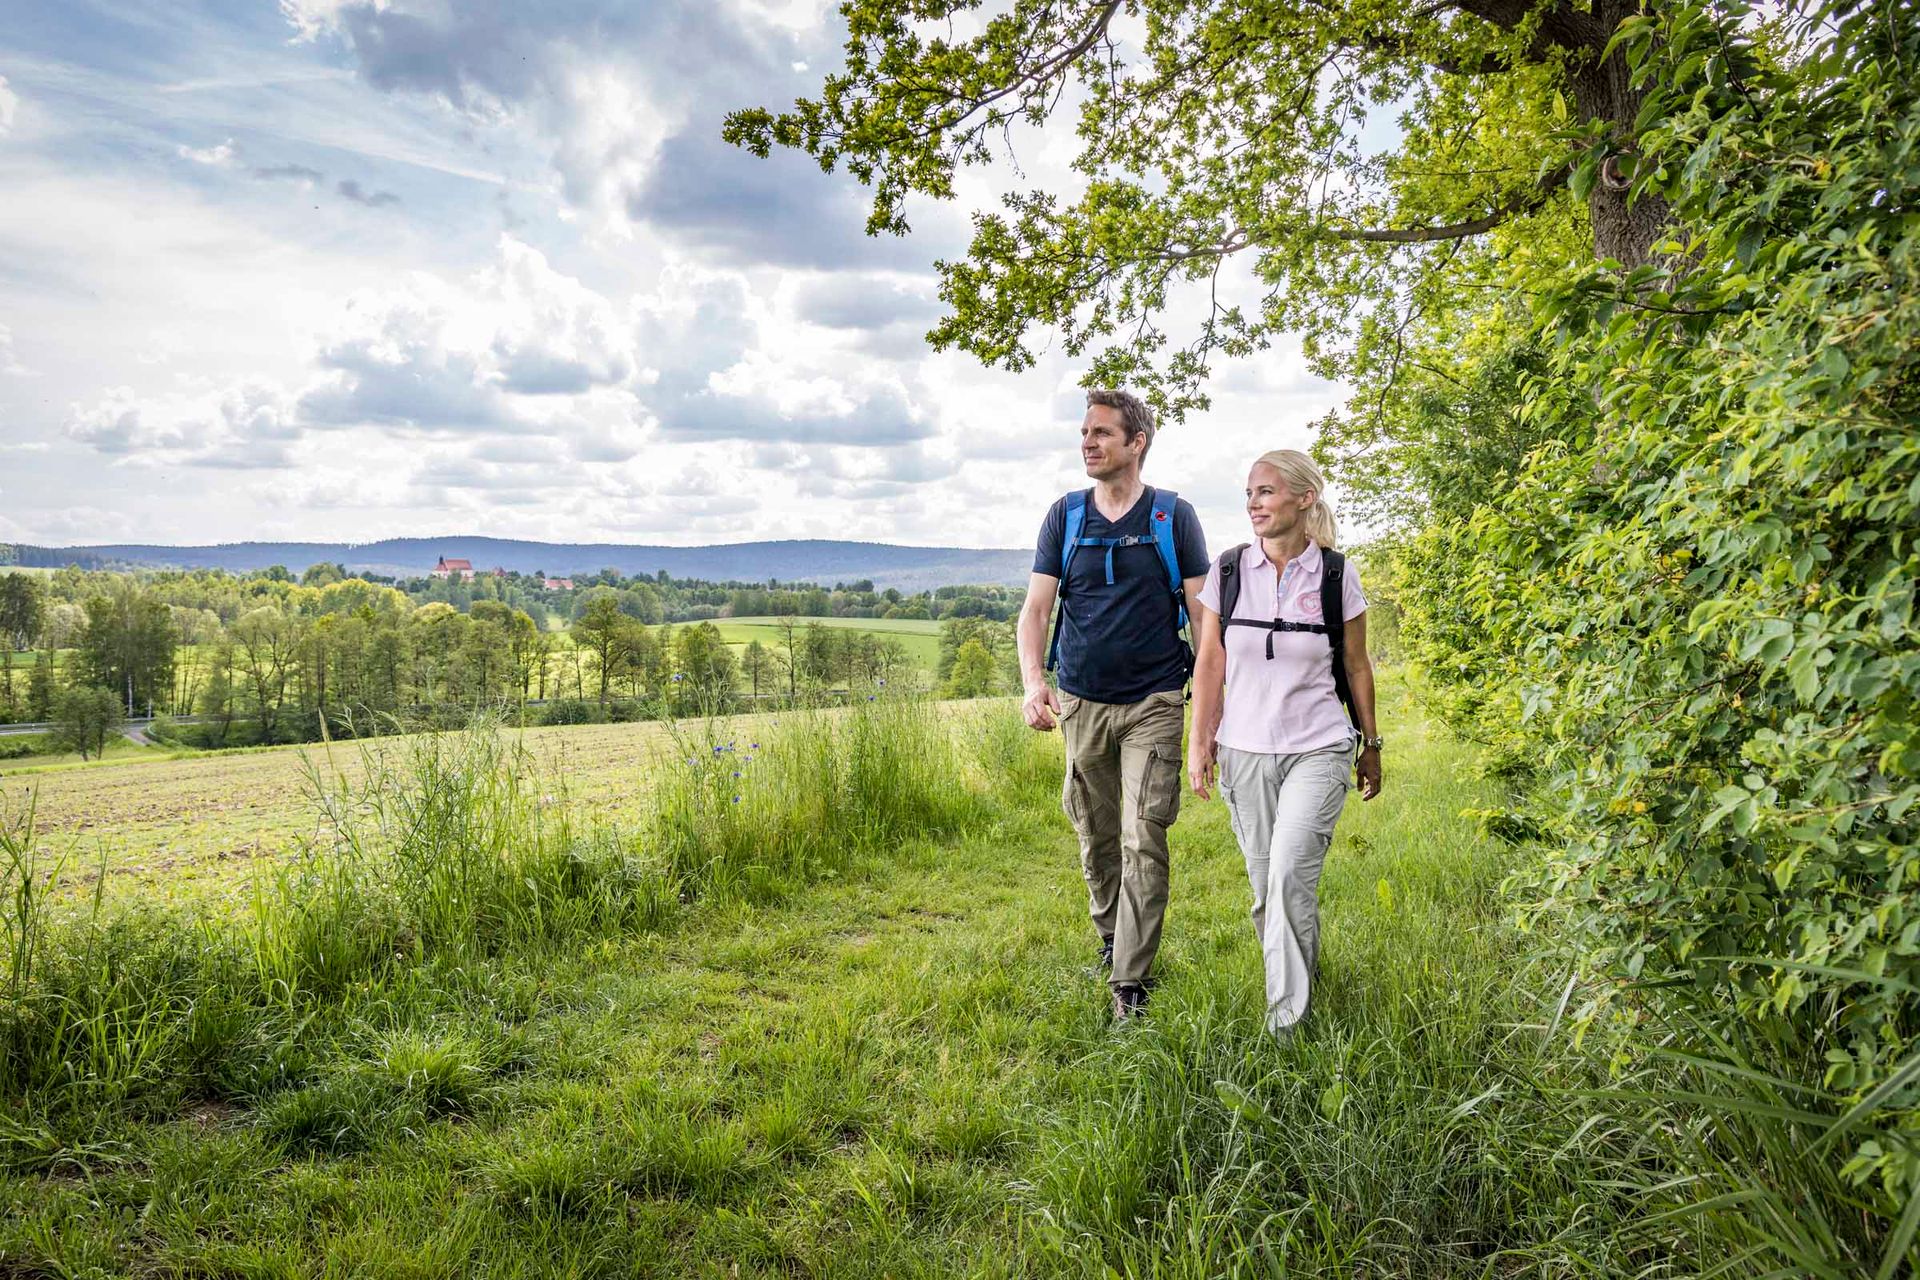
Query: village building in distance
point(465, 572)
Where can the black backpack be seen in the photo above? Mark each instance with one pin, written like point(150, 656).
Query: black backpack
point(1333, 609)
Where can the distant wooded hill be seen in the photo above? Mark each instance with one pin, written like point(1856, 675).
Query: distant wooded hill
point(811, 560)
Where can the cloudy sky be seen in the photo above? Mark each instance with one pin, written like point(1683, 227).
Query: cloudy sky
point(349, 269)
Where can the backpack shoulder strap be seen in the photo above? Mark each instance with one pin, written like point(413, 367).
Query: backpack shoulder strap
point(1076, 520)
point(1076, 514)
point(1333, 611)
point(1165, 503)
point(1230, 579)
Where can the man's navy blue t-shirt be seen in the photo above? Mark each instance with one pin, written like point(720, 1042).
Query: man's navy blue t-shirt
point(1119, 643)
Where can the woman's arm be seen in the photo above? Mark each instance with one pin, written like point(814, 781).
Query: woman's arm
point(1209, 678)
point(1360, 684)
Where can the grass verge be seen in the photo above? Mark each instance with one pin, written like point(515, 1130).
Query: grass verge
point(852, 1031)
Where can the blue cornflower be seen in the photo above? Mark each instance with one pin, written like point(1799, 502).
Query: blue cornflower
point(677, 677)
point(736, 799)
point(736, 773)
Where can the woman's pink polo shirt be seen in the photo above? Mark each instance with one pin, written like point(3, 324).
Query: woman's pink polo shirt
point(1287, 704)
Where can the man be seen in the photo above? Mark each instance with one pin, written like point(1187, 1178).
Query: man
point(1121, 559)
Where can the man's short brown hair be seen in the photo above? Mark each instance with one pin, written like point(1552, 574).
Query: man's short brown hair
point(1135, 417)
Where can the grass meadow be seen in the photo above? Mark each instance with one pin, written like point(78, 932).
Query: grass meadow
point(820, 1002)
point(919, 637)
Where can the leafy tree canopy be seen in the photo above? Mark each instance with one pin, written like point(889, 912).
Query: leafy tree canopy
point(1223, 143)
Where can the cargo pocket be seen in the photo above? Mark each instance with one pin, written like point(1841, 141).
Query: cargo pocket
point(1070, 789)
point(1160, 785)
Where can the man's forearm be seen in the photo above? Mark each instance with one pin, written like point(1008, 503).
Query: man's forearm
point(1031, 638)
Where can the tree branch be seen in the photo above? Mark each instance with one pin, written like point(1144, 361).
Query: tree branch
point(1521, 202)
point(1399, 46)
point(1038, 74)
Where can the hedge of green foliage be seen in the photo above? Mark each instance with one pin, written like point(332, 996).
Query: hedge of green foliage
point(1698, 601)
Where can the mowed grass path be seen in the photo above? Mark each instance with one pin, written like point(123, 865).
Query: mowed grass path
point(909, 1071)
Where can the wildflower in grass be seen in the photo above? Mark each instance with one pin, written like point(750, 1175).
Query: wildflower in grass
point(736, 799)
point(677, 677)
point(736, 773)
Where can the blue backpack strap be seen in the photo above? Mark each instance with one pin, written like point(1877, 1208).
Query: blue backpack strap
point(1164, 503)
point(1076, 514)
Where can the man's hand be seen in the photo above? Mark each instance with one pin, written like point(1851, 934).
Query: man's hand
point(1200, 768)
point(1041, 708)
point(1369, 770)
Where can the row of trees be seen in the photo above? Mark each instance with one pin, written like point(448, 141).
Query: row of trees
point(328, 588)
point(624, 656)
point(350, 651)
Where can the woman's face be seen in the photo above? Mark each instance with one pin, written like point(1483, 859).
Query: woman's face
point(1273, 509)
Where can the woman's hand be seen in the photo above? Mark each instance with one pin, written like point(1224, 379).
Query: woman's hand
point(1200, 766)
point(1369, 770)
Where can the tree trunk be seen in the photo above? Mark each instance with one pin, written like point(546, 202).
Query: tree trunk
point(1621, 231)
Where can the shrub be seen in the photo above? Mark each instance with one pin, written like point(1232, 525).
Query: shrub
point(1694, 603)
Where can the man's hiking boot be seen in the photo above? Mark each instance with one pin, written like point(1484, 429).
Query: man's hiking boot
point(1129, 1002)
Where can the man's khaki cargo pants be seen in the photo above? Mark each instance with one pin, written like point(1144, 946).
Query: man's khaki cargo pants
point(1122, 792)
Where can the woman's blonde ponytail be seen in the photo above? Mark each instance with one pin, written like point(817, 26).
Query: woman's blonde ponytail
point(1299, 474)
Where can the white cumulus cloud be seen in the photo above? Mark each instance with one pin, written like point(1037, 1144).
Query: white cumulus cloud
point(219, 156)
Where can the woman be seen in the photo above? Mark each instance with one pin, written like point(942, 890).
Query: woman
point(1285, 743)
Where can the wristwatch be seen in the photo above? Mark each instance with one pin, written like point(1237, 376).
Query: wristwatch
point(1372, 744)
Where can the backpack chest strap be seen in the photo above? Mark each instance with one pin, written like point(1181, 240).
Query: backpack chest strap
point(1131, 540)
point(1274, 626)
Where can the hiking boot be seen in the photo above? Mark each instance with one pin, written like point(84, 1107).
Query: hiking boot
point(1129, 1002)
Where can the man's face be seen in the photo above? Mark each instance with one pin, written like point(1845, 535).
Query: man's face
point(1104, 446)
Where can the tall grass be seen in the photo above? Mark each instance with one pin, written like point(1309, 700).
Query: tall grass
point(437, 859)
point(454, 847)
point(743, 812)
point(1753, 1169)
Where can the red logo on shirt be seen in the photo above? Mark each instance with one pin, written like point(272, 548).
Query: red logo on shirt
point(1159, 515)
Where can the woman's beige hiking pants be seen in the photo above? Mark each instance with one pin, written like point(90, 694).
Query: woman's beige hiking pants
point(1122, 792)
point(1283, 809)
